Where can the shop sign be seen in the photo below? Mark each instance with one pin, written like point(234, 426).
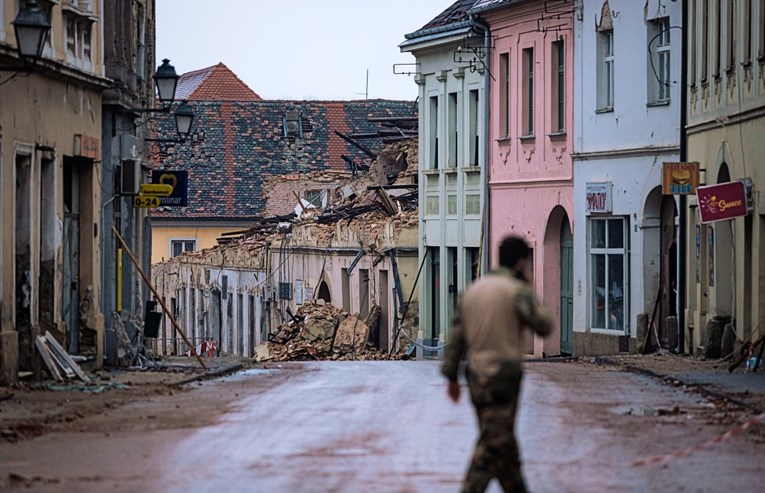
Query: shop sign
point(722, 201)
point(176, 179)
point(87, 146)
point(598, 197)
point(145, 201)
point(680, 178)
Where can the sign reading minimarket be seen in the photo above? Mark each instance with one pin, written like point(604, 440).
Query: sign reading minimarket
point(722, 201)
point(178, 180)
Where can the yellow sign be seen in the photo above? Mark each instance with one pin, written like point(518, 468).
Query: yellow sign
point(156, 189)
point(144, 201)
point(680, 178)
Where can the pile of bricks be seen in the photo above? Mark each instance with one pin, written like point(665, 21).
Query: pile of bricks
point(320, 331)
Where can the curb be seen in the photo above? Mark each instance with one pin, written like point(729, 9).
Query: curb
point(675, 381)
point(210, 374)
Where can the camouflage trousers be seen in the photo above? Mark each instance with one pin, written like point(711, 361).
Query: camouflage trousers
point(496, 453)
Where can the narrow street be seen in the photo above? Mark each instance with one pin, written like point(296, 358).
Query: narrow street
point(388, 427)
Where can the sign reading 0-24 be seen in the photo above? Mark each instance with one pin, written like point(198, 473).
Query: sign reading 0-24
point(145, 201)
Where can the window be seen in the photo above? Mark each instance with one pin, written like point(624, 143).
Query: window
point(315, 197)
point(608, 268)
point(761, 50)
point(454, 134)
point(718, 38)
point(432, 205)
point(704, 40)
point(472, 204)
point(434, 132)
point(558, 87)
point(659, 75)
point(528, 92)
point(177, 247)
point(732, 31)
point(474, 126)
point(504, 95)
point(747, 20)
point(435, 291)
point(451, 205)
point(78, 35)
point(606, 70)
point(472, 261)
point(692, 42)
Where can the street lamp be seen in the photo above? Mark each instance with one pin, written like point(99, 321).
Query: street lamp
point(166, 80)
point(31, 27)
point(184, 117)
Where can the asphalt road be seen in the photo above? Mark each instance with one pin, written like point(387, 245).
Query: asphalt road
point(388, 427)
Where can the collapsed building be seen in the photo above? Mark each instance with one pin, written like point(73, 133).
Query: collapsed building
point(345, 257)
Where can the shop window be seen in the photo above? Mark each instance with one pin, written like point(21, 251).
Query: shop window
point(608, 273)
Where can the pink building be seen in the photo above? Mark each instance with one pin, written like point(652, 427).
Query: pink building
point(530, 139)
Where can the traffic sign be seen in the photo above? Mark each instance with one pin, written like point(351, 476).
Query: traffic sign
point(156, 189)
point(145, 201)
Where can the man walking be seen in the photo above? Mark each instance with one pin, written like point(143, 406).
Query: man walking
point(487, 329)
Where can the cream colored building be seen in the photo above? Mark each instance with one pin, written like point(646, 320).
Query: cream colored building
point(725, 275)
point(50, 153)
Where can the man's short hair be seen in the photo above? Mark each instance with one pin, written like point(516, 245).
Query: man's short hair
point(511, 250)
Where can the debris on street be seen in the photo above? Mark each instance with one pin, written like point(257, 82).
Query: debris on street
point(320, 331)
point(60, 364)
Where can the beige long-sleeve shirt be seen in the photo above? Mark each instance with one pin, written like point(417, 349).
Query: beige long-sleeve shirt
point(488, 324)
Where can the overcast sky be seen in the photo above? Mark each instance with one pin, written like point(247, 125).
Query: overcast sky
point(297, 49)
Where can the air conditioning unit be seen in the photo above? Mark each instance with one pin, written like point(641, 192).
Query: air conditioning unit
point(130, 183)
point(130, 179)
point(130, 148)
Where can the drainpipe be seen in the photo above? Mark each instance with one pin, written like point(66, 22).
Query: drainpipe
point(681, 249)
point(480, 25)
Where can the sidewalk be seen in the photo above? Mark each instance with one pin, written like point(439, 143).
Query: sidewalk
point(30, 408)
point(742, 387)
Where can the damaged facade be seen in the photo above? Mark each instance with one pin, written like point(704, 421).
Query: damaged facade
point(50, 153)
point(240, 144)
point(353, 251)
point(281, 187)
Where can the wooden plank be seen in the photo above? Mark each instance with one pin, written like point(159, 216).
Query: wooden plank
point(42, 348)
point(53, 343)
point(386, 203)
point(60, 363)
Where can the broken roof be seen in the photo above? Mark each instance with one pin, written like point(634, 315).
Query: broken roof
point(236, 145)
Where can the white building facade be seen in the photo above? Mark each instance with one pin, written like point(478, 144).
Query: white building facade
point(627, 124)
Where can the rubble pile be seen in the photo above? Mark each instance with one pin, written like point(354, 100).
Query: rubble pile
point(320, 331)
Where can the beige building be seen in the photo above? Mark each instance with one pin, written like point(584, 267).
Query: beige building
point(50, 150)
point(725, 275)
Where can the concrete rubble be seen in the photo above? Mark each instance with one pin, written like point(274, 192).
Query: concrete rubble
point(320, 331)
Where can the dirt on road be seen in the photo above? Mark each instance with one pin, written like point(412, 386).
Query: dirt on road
point(121, 399)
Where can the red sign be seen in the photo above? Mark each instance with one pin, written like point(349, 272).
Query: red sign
point(87, 146)
point(723, 201)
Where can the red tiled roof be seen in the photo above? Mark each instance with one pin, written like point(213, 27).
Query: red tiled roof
point(216, 83)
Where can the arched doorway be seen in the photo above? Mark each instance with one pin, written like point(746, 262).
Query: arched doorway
point(324, 292)
point(557, 275)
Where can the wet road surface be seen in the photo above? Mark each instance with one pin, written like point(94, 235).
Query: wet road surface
point(388, 427)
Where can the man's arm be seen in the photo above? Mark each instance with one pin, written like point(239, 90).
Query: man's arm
point(532, 313)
